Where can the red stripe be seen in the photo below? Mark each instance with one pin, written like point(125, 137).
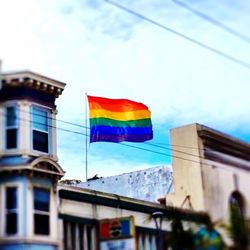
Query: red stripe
point(115, 105)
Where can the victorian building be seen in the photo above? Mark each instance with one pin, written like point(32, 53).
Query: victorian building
point(28, 161)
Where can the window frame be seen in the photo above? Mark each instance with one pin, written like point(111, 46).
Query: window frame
point(79, 235)
point(33, 128)
point(19, 209)
point(9, 127)
point(41, 212)
point(146, 236)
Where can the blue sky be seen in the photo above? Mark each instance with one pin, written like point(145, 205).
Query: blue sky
point(101, 50)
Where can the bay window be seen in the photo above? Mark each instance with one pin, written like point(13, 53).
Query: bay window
point(11, 211)
point(41, 204)
point(40, 129)
point(11, 127)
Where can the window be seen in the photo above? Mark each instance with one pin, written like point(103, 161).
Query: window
point(237, 203)
point(146, 238)
point(40, 129)
point(41, 198)
point(11, 127)
point(238, 224)
point(11, 209)
point(79, 235)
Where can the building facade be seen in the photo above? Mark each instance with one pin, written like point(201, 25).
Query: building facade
point(28, 161)
point(37, 213)
point(212, 170)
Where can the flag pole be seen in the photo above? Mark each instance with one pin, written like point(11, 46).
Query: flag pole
point(0, 73)
point(86, 139)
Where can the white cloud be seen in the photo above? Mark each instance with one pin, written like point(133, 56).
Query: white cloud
point(99, 49)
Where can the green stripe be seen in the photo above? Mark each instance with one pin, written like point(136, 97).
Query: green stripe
point(115, 123)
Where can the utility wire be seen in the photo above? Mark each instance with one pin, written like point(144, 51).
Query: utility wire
point(80, 133)
point(85, 134)
point(122, 143)
point(174, 150)
point(213, 21)
point(128, 145)
point(155, 144)
point(190, 39)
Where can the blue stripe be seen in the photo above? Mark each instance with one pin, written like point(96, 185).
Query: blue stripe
point(118, 134)
point(121, 130)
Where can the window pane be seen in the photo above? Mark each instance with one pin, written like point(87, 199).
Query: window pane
point(11, 223)
point(40, 119)
point(41, 199)
point(11, 116)
point(41, 224)
point(40, 141)
point(89, 237)
point(11, 198)
point(73, 234)
point(11, 138)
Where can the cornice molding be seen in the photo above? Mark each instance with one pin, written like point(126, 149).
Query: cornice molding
point(34, 81)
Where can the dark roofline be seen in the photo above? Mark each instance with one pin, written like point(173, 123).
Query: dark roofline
point(224, 143)
point(115, 201)
point(28, 79)
point(14, 74)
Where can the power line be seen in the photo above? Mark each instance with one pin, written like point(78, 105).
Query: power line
point(174, 150)
point(175, 145)
point(80, 133)
point(190, 39)
point(123, 143)
point(85, 127)
point(152, 144)
point(213, 21)
point(85, 134)
point(127, 145)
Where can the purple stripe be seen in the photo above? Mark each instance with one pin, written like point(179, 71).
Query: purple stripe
point(120, 138)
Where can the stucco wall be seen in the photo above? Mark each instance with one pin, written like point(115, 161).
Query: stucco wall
point(220, 180)
point(149, 184)
point(186, 168)
point(209, 183)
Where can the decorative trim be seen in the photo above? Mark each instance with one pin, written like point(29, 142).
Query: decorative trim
point(44, 159)
point(226, 159)
point(34, 80)
point(33, 166)
point(223, 143)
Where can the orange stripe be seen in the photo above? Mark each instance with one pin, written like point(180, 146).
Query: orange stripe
point(120, 116)
point(114, 105)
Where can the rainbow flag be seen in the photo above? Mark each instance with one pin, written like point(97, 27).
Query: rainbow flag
point(116, 120)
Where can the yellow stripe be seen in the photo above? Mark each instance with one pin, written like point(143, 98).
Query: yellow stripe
point(121, 116)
